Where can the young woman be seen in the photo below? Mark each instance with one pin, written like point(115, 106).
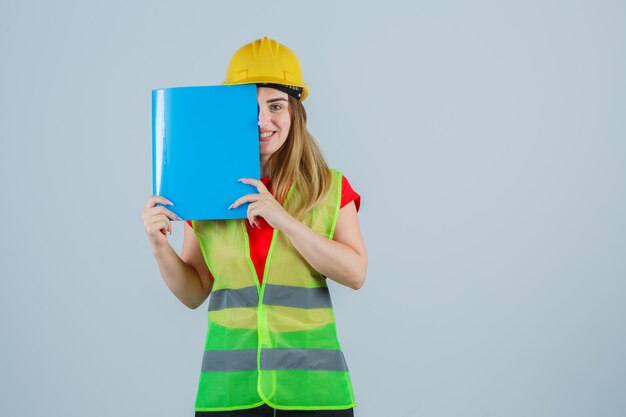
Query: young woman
point(271, 347)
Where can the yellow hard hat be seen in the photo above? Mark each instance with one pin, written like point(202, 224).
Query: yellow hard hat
point(265, 61)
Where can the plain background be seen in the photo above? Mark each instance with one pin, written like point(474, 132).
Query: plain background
point(487, 140)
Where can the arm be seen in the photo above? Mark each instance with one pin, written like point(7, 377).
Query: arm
point(342, 259)
point(186, 276)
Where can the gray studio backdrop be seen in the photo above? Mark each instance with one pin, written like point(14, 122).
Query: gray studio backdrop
point(487, 140)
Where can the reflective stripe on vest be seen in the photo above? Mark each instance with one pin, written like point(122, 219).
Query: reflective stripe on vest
point(273, 343)
point(239, 298)
point(289, 296)
point(311, 359)
point(273, 359)
point(229, 360)
point(278, 295)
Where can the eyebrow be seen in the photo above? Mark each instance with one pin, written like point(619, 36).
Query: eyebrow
point(273, 100)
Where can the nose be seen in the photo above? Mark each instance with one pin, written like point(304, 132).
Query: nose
point(264, 119)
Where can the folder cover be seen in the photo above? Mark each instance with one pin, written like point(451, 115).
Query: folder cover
point(203, 140)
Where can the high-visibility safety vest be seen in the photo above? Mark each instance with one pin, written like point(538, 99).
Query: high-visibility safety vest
point(274, 343)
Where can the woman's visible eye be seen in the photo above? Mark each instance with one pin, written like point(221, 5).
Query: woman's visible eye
point(276, 107)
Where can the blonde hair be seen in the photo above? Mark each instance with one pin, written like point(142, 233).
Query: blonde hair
point(300, 159)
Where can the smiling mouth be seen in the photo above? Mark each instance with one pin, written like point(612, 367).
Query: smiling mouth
point(266, 136)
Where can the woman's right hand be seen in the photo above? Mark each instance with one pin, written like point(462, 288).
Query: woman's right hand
point(156, 220)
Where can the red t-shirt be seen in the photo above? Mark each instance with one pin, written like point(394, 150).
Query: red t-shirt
point(260, 238)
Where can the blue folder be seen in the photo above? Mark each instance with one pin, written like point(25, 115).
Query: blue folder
point(203, 140)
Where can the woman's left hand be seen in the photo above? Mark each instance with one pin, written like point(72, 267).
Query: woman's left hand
point(264, 205)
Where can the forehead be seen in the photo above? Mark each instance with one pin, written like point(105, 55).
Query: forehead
point(267, 93)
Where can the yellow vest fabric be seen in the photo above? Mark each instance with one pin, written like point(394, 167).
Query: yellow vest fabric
point(274, 343)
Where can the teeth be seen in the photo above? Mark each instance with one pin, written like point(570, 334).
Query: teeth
point(266, 134)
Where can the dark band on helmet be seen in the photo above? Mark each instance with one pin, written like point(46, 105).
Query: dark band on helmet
point(292, 90)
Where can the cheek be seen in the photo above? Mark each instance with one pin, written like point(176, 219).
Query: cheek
point(286, 124)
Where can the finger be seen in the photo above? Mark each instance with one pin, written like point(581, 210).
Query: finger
point(167, 221)
point(252, 223)
point(153, 200)
point(258, 184)
point(251, 216)
point(163, 225)
point(163, 210)
point(254, 210)
point(248, 198)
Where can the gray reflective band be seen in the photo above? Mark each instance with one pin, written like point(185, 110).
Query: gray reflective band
point(289, 296)
point(242, 297)
point(229, 360)
point(309, 359)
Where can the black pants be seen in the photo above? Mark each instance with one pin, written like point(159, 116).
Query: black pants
point(267, 411)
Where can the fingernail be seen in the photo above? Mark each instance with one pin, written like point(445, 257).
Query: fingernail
point(240, 179)
point(171, 204)
point(178, 218)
